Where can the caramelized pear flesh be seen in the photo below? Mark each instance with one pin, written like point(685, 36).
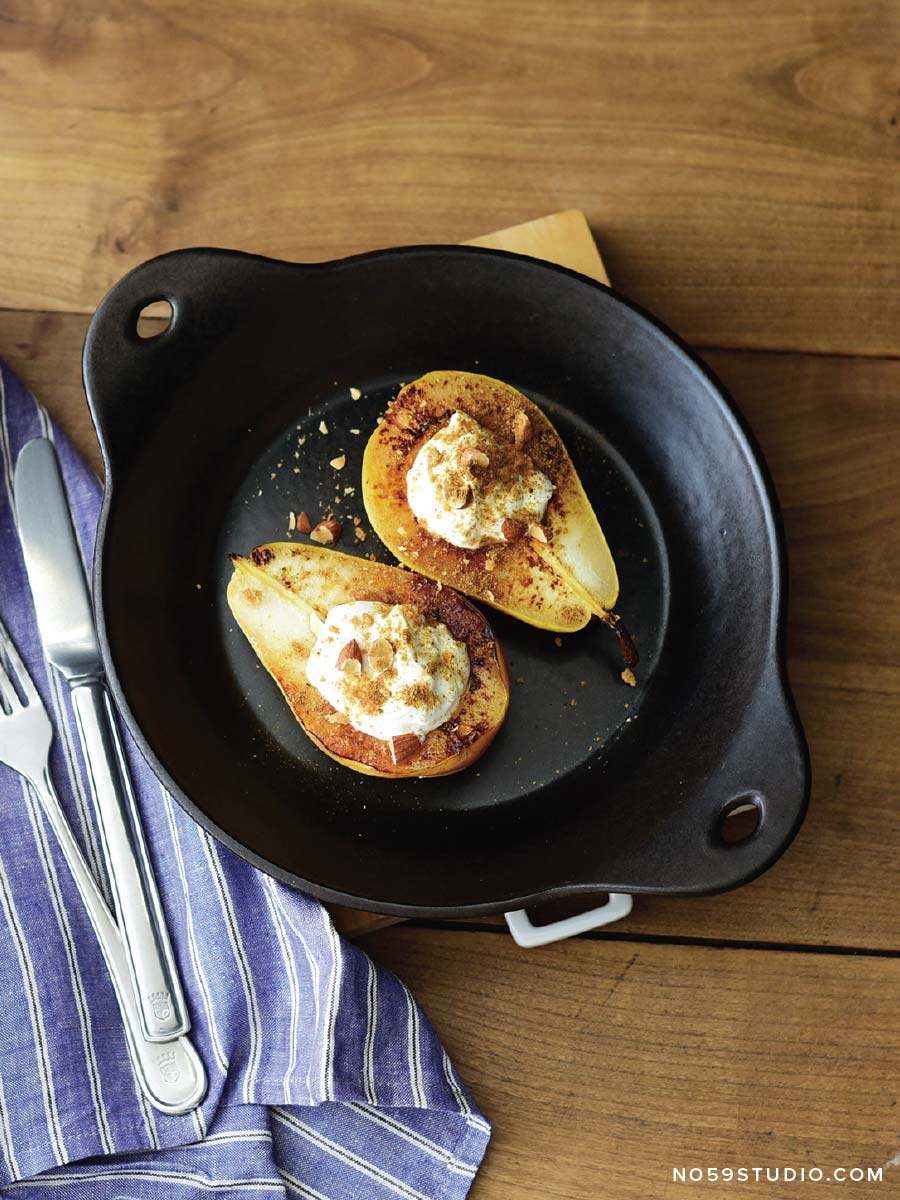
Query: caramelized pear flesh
point(279, 593)
point(555, 576)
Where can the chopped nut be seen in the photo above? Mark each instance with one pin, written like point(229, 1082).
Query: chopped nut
point(521, 429)
point(404, 747)
point(463, 730)
point(471, 457)
point(456, 492)
point(316, 624)
point(628, 677)
point(381, 655)
point(489, 596)
point(303, 523)
point(355, 393)
point(398, 415)
point(489, 564)
point(338, 463)
point(349, 655)
point(537, 532)
point(356, 431)
point(338, 718)
point(326, 533)
point(360, 534)
point(512, 529)
point(323, 428)
point(292, 521)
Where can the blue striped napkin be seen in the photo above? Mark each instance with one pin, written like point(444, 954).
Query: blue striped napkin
point(326, 1080)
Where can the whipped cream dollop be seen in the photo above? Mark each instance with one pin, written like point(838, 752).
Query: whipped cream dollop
point(463, 484)
point(388, 669)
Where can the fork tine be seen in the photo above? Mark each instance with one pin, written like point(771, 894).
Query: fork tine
point(18, 669)
point(9, 701)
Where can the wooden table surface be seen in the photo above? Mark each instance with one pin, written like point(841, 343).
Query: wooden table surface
point(742, 175)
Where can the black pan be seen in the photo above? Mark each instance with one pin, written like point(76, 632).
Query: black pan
point(590, 785)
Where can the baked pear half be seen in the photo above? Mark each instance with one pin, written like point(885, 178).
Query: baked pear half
point(466, 481)
point(368, 656)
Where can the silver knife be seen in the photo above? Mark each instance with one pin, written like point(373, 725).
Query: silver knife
point(69, 637)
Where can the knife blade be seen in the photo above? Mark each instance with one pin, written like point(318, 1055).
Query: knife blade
point(69, 638)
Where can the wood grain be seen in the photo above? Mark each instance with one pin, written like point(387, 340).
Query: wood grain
point(603, 1066)
point(745, 182)
point(830, 429)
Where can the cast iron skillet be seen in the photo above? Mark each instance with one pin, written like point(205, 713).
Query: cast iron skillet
point(590, 785)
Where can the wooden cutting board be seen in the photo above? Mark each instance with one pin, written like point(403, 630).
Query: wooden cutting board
point(563, 238)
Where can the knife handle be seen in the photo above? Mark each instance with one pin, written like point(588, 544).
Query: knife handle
point(151, 963)
point(170, 1073)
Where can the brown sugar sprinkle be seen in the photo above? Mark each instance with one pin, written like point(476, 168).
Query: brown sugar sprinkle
point(417, 695)
point(337, 718)
point(303, 523)
point(512, 529)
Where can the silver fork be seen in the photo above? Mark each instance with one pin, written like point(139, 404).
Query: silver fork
point(170, 1073)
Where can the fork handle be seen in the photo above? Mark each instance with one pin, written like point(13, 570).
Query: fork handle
point(170, 1074)
point(161, 1005)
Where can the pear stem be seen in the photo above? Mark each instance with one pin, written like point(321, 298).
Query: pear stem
point(630, 656)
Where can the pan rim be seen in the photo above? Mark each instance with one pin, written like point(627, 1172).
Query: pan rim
point(775, 651)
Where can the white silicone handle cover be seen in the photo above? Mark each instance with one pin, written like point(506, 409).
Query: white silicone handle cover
point(526, 934)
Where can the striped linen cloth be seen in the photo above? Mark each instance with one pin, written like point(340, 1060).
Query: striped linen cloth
point(326, 1080)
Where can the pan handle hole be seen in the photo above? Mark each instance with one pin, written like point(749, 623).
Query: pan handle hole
point(154, 319)
point(740, 819)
